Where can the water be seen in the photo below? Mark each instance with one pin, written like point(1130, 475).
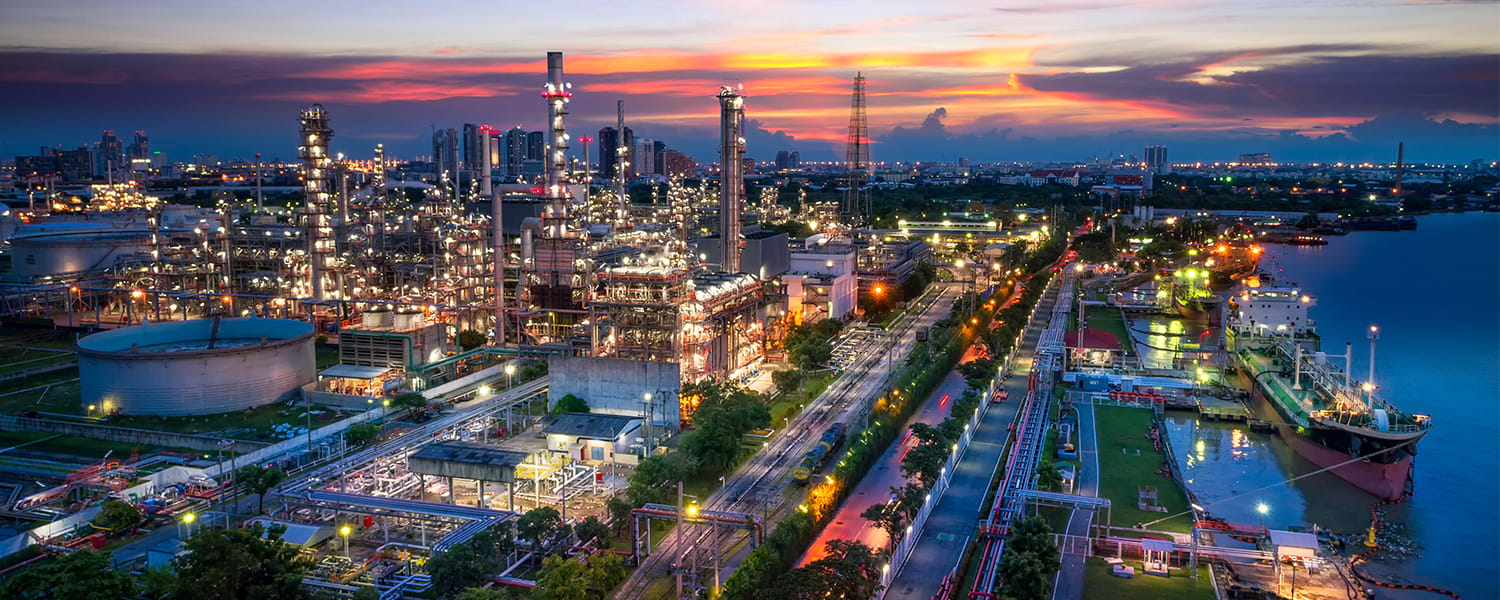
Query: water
point(1434, 292)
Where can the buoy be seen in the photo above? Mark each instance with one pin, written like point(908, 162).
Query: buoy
point(1370, 539)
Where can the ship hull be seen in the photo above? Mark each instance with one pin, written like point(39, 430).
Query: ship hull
point(1197, 309)
point(1329, 447)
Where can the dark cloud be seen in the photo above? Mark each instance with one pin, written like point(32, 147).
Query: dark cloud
point(1426, 141)
point(1327, 87)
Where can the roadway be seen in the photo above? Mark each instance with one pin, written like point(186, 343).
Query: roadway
point(877, 485)
point(952, 522)
point(1069, 582)
point(759, 486)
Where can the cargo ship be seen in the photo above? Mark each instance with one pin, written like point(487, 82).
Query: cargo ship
point(1229, 261)
point(1328, 417)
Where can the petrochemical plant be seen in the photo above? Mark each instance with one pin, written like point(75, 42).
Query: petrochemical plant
point(204, 312)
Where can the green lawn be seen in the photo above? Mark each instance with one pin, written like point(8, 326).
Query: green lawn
point(1099, 583)
point(82, 447)
point(1111, 321)
point(326, 356)
point(243, 425)
point(1121, 429)
point(787, 405)
point(39, 338)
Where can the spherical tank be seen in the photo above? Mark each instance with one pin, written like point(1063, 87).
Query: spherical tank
point(197, 367)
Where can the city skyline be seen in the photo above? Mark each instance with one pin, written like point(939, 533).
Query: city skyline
point(1009, 82)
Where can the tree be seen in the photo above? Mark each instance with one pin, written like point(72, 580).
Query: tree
point(541, 526)
point(361, 434)
point(233, 564)
point(591, 528)
point(490, 593)
point(787, 381)
point(118, 515)
point(1047, 476)
point(259, 480)
point(469, 339)
point(561, 579)
point(590, 577)
point(849, 571)
point(570, 404)
point(602, 571)
point(1309, 221)
point(1030, 561)
point(411, 400)
point(811, 354)
point(82, 574)
point(887, 516)
point(978, 371)
point(465, 565)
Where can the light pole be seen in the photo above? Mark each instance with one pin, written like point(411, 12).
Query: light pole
point(1260, 507)
point(345, 531)
point(187, 520)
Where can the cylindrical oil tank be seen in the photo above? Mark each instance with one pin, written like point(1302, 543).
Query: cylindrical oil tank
point(408, 319)
point(197, 367)
point(377, 318)
point(53, 254)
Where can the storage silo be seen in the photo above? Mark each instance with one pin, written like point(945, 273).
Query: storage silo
point(197, 367)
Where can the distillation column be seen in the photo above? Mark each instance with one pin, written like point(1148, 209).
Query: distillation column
point(731, 174)
point(316, 184)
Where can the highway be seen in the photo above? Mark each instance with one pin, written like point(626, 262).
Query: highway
point(758, 487)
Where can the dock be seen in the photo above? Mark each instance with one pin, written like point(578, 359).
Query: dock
point(1219, 409)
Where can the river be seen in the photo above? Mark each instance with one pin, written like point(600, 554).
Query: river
point(1435, 293)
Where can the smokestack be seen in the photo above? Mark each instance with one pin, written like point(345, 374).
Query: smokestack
point(731, 174)
point(556, 191)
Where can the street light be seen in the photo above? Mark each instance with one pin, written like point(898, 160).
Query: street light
point(345, 531)
point(1261, 508)
point(510, 370)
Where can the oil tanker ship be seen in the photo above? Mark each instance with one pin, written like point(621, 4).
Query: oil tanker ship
point(1229, 261)
point(1329, 418)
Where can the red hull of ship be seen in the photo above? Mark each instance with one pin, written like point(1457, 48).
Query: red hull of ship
point(1384, 481)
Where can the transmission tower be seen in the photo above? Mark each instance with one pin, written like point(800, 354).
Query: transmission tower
point(857, 159)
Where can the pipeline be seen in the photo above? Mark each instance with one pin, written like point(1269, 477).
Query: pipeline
point(1376, 525)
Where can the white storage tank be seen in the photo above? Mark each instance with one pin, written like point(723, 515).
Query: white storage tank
point(408, 319)
point(377, 318)
point(197, 367)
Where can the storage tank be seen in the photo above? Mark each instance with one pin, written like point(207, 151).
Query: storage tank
point(407, 319)
point(377, 318)
point(197, 367)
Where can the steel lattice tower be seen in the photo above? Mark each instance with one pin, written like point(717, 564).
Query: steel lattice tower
point(857, 159)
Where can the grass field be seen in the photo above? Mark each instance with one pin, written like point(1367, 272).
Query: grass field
point(788, 404)
point(82, 447)
point(1109, 320)
point(1122, 433)
point(1100, 584)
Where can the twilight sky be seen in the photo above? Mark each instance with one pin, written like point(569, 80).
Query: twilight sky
point(1009, 80)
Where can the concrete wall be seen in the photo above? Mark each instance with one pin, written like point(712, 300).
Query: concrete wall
point(144, 437)
point(617, 386)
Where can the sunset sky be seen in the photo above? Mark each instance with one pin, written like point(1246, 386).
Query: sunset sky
point(1060, 80)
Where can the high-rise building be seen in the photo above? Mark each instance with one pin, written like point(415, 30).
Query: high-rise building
point(536, 145)
point(1156, 160)
point(111, 154)
point(140, 147)
point(445, 152)
point(610, 156)
point(783, 160)
point(1257, 158)
point(475, 146)
point(644, 159)
point(514, 151)
point(677, 164)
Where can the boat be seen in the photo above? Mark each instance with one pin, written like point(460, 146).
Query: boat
point(1191, 296)
point(1327, 417)
point(1230, 261)
point(1306, 240)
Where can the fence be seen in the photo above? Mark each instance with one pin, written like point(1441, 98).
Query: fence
point(144, 437)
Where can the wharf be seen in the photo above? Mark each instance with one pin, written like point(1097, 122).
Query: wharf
point(1218, 409)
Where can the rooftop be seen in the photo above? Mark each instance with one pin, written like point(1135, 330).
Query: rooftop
point(591, 425)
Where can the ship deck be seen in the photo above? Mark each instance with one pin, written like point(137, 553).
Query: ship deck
point(1267, 372)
